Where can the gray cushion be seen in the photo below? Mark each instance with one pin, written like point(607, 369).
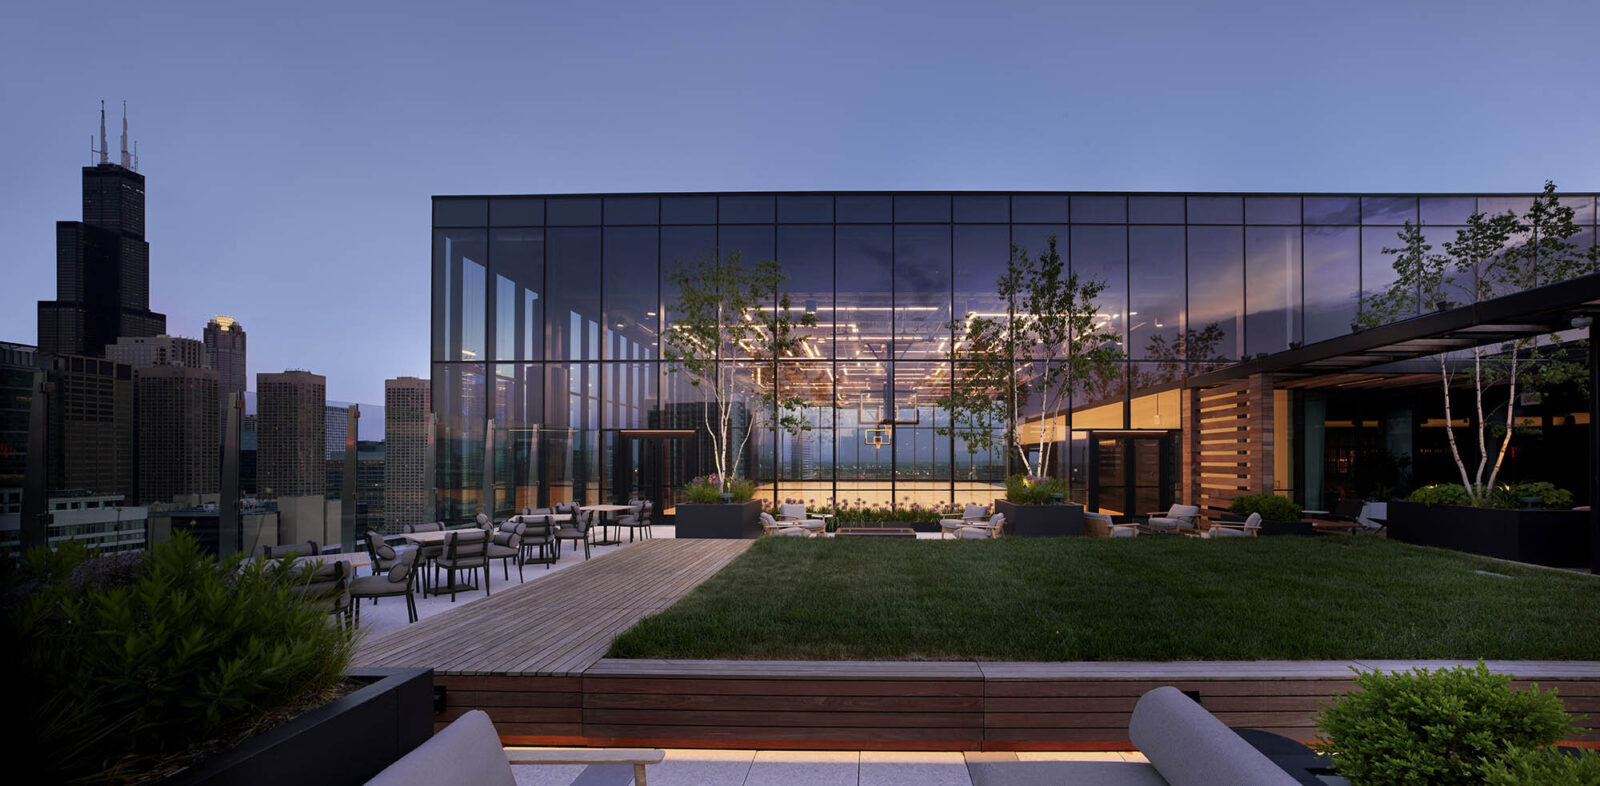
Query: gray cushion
point(466, 751)
point(1190, 747)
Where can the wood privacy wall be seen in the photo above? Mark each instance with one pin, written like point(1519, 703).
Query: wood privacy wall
point(1227, 442)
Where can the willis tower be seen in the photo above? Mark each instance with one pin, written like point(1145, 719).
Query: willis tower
point(102, 263)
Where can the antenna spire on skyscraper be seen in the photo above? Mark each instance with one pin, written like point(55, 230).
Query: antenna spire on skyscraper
point(126, 162)
point(102, 131)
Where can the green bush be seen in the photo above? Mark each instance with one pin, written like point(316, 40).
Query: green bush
point(1441, 494)
point(1033, 489)
point(1543, 767)
point(1511, 496)
point(707, 490)
point(1435, 728)
point(129, 664)
point(1271, 507)
point(860, 512)
point(1549, 496)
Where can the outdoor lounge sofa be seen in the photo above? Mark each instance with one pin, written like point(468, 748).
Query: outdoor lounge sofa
point(468, 753)
point(1101, 525)
point(1185, 746)
point(1179, 519)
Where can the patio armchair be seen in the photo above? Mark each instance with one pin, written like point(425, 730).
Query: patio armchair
point(993, 528)
point(971, 515)
point(427, 556)
point(771, 526)
point(794, 515)
point(506, 545)
point(632, 518)
point(380, 555)
point(1249, 528)
point(468, 550)
point(328, 588)
point(1101, 525)
point(400, 579)
point(577, 530)
point(537, 532)
point(289, 550)
point(1179, 519)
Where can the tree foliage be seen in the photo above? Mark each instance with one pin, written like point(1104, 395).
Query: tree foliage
point(729, 324)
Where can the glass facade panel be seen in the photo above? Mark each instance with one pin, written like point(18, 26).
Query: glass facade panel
point(631, 296)
point(518, 414)
point(1491, 206)
point(980, 256)
point(1453, 211)
point(805, 209)
point(865, 437)
point(1099, 209)
point(1216, 289)
point(922, 208)
point(806, 255)
point(1377, 267)
point(1272, 289)
point(1272, 210)
point(460, 212)
point(1216, 210)
point(1155, 210)
point(982, 209)
point(1033, 209)
point(689, 210)
point(921, 291)
point(1332, 211)
point(864, 291)
point(573, 212)
point(1100, 253)
point(460, 258)
point(1583, 208)
point(746, 210)
point(808, 454)
point(863, 209)
point(1332, 280)
point(572, 268)
point(1391, 211)
point(516, 212)
point(631, 210)
point(517, 258)
point(461, 399)
point(1156, 303)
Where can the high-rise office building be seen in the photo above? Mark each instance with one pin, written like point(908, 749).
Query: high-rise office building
point(178, 432)
point(337, 420)
point(247, 456)
point(290, 433)
point(91, 423)
point(225, 352)
point(102, 265)
point(147, 351)
point(407, 402)
point(17, 365)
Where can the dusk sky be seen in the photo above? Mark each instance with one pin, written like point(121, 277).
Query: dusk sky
point(291, 149)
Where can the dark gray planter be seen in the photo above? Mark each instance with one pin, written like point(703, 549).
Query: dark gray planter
point(732, 521)
point(1041, 521)
point(1557, 538)
point(1271, 527)
point(342, 743)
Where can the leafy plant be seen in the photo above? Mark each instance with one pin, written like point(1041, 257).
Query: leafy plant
point(1271, 507)
point(1445, 494)
point(1033, 489)
point(862, 513)
point(127, 665)
point(726, 329)
point(1550, 497)
point(708, 489)
point(1051, 342)
point(1435, 728)
point(1543, 767)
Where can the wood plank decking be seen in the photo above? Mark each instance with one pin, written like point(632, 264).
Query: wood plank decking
point(532, 656)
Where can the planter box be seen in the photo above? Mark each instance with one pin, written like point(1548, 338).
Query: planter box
point(1557, 538)
point(1041, 521)
point(342, 743)
point(1271, 527)
point(731, 521)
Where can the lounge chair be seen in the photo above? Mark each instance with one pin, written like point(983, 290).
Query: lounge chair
point(792, 515)
point(1179, 519)
point(993, 528)
point(468, 753)
point(1101, 525)
point(399, 580)
point(772, 526)
point(1249, 528)
point(969, 516)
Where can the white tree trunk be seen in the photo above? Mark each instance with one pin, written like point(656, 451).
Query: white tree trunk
point(1511, 401)
point(1449, 427)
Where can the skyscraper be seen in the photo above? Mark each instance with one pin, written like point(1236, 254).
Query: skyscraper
point(17, 365)
point(225, 352)
point(337, 419)
point(407, 402)
point(178, 432)
point(92, 427)
point(147, 351)
point(102, 265)
point(290, 433)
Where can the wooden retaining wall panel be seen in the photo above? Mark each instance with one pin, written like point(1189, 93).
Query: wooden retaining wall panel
point(529, 710)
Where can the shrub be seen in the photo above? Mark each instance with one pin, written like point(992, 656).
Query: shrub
point(1271, 507)
point(1441, 494)
point(1441, 727)
point(707, 490)
point(1033, 489)
point(1543, 767)
point(1549, 496)
point(1501, 497)
point(910, 513)
point(126, 666)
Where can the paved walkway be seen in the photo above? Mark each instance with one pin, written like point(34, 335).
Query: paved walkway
point(802, 768)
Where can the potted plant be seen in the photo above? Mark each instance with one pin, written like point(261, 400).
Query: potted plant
point(719, 509)
point(1279, 515)
point(169, 664)
point(727, 327)
point(1033, 508)
point(1497, 523)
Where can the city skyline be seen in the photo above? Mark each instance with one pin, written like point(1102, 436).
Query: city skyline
point(289, 164)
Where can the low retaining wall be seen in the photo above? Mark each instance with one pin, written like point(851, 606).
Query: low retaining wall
point(960, 705)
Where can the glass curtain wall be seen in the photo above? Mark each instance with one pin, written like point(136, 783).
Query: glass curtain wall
point(547, 313)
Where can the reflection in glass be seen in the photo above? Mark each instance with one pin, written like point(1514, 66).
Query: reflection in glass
point(517, 257)
point(1038, 209)
point(1155, 210)
point(1388, 210)
point(1332, 210)
point(1272, 273)
point(1377, 267)
point(745, 210)
point(1101, 254)
point(631, 210)
point(460, 212)
point(516, 212)
point(689, 210)
point(865, 441)
point(922, 291)
point(864, 271)
point(1215, 210)
point(921, 454)
point(922, 208)
point(1332, 280)
point(1155, 305)
point(1216, 288)
point(459, 258)
point(805, 209)
point(461, 399)
point(806, 256)
point(1446, 210)
point(1272, 210)
point(1099, 210)
point(631, 300)
point(863, 208)
point(982, 209)
point(980, 258)
point(573, 212)
point(572, 266)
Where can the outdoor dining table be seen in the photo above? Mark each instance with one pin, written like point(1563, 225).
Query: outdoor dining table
point(607, 518)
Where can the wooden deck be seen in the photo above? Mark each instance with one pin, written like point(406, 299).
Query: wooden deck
point(532, 656)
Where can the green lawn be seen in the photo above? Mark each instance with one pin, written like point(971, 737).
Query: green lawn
point(1149, 598)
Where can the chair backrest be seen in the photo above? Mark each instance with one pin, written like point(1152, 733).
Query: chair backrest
point(794, 511)
point(327, 586)
point(405, 569)
point(466, 544)
point(510, 534)
point(583, 520)
point(565, 507)
point(432, 526)
point(1098, 524)
point(645, 510)
point(1184, 512)
point(768, 523)
point(377, 549)
point(291, 550)
point(997, 525)
point(482, 519)
point(975, 512)
point(467, 751)
point(535, 511)
point(1252, 521)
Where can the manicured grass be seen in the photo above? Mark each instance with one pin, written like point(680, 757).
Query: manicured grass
point(1072, 599)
